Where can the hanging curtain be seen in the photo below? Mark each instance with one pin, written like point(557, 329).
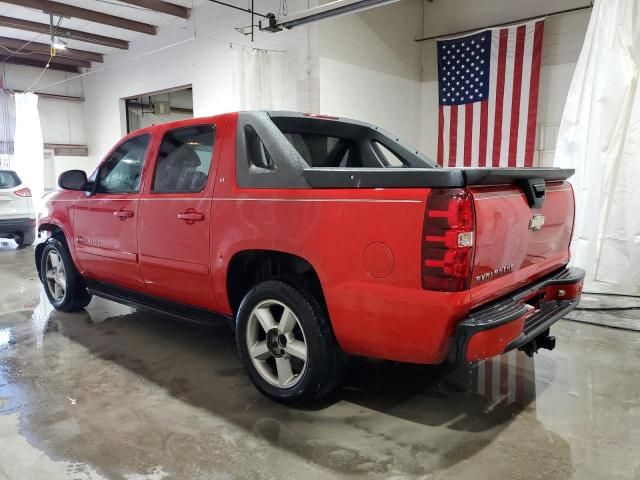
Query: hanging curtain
point(252, 79)
point(7, 125)
point(267, 80)
point(600, 137)
point(28, 155)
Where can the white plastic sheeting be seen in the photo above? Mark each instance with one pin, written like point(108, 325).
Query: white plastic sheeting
point(600, 137)
point(7, 122)
point(28, 151)
point(265, 80)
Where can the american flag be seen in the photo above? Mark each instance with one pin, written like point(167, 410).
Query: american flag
point(488, 89)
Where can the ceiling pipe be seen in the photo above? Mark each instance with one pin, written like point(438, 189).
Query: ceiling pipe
point(329, 10)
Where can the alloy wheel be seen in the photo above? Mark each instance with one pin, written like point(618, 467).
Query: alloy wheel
point(276, 344)
point(56, 276)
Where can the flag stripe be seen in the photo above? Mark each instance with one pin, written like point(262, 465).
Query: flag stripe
point(524, 95)
point(468, 133)
point(508, 92)
point(493, 86)
point(453, 134)
point(515, 99)
point(484, 120)
point(497, 128)
point(460, 136)
point(446, 118)
point(475, 133)
point(440, 134)
point(533, 96)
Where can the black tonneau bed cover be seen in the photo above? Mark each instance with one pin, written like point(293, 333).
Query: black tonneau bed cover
point(428, 177)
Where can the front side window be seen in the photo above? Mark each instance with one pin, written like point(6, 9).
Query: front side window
point(184, 160)
point(122, 171)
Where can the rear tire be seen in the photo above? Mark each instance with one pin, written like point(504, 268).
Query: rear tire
point(62, 283)
point(286, 344)
point(25, 238)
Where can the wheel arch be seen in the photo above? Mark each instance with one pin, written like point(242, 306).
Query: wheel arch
point(55, 231)
point(250, 267)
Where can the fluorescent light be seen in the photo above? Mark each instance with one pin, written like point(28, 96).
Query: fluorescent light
point(327, 10)
point(59, 46)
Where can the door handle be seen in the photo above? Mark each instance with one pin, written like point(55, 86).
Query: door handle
point(123, 214)
point(191, 217)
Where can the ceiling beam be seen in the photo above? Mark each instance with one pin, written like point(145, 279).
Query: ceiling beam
point(30, 62)
point(52, 96)
point(26, 25)
point(44, 58)
point(25, 47)
point(161, 7)
point(64, 10)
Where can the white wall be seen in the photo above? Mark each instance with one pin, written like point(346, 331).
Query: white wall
point(194, 53)
point(562, 41)
point(371, 67)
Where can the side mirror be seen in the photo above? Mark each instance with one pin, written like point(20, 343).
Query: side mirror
point(73, 180)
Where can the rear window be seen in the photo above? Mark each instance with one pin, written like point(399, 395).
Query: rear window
point(335, 143)
point(8, 179)
point(320, 150)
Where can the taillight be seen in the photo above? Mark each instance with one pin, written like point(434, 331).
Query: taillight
point(23, 192)
point(447, 241)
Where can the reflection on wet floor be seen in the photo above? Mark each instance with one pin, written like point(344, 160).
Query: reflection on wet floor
point(112, 392)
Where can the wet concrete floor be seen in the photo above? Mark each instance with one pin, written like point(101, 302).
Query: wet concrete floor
point(116, 393)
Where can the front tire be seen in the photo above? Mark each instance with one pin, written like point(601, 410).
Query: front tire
point(26, 238)
point(62, 283)
point(286, 344)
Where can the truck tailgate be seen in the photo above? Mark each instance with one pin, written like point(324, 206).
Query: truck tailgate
point(515, 243)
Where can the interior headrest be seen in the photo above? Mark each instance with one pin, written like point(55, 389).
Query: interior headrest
point(185, 157)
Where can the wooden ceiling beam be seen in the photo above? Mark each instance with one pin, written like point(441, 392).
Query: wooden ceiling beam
point(30, 62)
point(28, 26)
point(44, 58)
point(24, 47)
point(161, 7)
point(64, 10)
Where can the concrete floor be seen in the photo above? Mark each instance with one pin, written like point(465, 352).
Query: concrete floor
point(122, 394)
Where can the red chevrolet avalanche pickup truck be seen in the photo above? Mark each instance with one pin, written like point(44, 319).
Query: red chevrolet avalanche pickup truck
point(316, 237)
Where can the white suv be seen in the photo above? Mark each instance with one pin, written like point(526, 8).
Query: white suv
point(17, 216)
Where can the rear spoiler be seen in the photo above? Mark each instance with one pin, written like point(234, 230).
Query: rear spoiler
point(429, 177)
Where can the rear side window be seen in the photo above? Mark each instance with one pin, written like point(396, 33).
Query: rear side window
point(184, 160)
point(121, 172)
point(257, 152)
point(390, 158)
point(8, 179)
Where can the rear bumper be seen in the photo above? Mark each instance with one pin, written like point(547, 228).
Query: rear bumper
point(518, 319)
point(12, 225)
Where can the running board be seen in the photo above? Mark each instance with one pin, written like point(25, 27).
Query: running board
point(159, 305)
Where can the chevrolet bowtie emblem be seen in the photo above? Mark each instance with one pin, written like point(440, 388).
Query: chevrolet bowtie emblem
point(536, 222)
